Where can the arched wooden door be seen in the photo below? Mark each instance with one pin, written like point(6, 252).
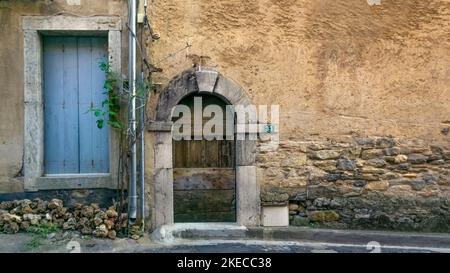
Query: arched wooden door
point(204, 173)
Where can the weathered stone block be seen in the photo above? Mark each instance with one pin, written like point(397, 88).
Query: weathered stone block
point(293, 207)
point(325, 154)
point(248, 196)
point(323, 216)
point(372, 153)
point(404, 166)
point(206, 80)
point(163, 197)
point(376, 162)
point(366, 142)
point(321, 202)
point(231, 90)
point(177, 88)
point(393, 151)
point(277, 216)
point(294, 160)
point(400, 191)
point(299, 221)
point(385, 142)
point(410, 175)
point(370, 177)
point(163, 156)
point(446, 155)
point(299, 182)
point(272, 197)
point(372, 170)
point(345, 164)
point(434, 157)
point(160, 126)
point(377, 186)
point(418, 184)
point(317, 146)
point(347, 189)
point(417, 158)
point(389, 175)
point(322, 190)
point(327, 165)
point(245, 152)
point(399, 159)
point(300, 197)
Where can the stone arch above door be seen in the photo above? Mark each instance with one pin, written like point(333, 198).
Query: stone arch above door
point(247, 188)
point(192, 81)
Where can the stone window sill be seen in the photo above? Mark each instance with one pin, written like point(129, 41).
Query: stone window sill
point(84, 181)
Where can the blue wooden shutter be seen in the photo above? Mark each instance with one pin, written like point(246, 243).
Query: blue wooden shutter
point(73, 82)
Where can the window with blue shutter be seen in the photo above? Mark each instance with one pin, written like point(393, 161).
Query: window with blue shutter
point(73, 83)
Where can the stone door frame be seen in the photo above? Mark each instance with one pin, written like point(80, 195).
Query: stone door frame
point(247, 187)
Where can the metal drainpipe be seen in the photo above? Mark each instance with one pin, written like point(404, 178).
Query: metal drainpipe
point(132, 195)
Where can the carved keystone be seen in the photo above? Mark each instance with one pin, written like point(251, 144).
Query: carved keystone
point(206, 80)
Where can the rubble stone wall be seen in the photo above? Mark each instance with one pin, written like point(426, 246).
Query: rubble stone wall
point(371, 183)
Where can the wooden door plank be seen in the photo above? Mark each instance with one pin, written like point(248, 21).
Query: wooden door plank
point(211, 153)
point(180, 154)
point(203, 179)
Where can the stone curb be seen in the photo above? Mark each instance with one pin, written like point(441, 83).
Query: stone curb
point(352, 236)
point(384, 238)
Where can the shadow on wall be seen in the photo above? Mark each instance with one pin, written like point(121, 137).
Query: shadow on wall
point(103, 197)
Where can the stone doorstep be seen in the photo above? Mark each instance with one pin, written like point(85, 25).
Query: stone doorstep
point(229, 231)
point(198, 231)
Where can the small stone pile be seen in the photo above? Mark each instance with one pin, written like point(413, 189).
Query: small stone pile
point(24, 214)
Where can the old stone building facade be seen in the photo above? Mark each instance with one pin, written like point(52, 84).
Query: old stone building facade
point(363, 92)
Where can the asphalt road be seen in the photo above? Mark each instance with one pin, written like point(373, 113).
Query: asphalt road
point(23, 242)
point(283, 247)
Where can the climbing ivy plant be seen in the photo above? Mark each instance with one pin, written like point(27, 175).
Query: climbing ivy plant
point(117, 91)
point(109, 112)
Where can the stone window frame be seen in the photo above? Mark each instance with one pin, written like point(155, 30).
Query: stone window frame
point(247, 187)
point(34, 28)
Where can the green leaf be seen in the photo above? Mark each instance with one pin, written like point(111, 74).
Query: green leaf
point(105, 102)
point(107, 85)
point(100, 123)
point(97, 112)
point(104, 66)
